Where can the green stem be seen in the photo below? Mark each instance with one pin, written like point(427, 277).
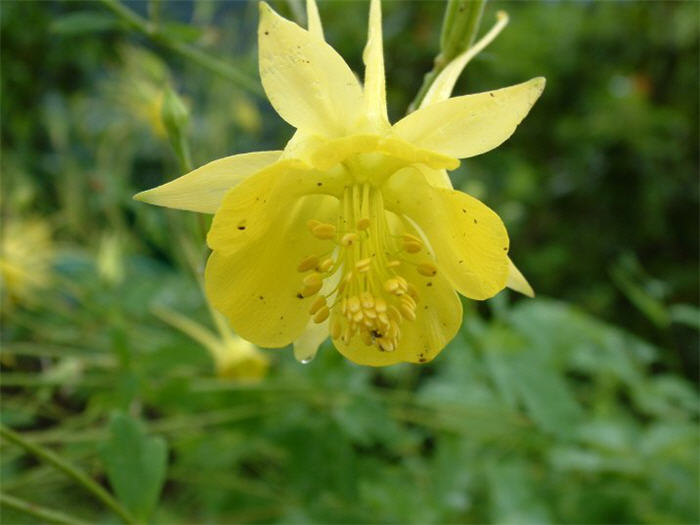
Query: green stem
point(69, 470)
point(205, 60)
point(44, 514)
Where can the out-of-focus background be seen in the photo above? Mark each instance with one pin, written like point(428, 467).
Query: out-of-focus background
point(579, 406)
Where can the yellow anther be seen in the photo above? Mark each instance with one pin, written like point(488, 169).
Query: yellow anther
point(383, 318)
point(363, 223)
point(312, 279)
point(348, 239)
point(371, 313)
point(412, 246)
point(358, 316)
point(403, 283)
point(407, 237)
point(363, 264)
point(354, 304)
point(308, 264)
point(393, 264)
point(408, 312)
point(428, 269)
point(311, 224)
point(322, 315)
point(380, 305)
point(392, 285)
point(324, 231)
point(325, 265)
point(336, 329)
point(366, 338)
point(394, 313)
point(319, 303)
point(386, 345)
point(407, 299)
point(311, 289)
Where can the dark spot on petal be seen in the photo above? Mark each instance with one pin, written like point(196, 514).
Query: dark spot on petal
point(261, 298)
point(299, 296)
point(475, 221)
point(319, 184)
point(267, 32)
point(491, 95)
point(461, 261)
point(505, 249)
point(429, 283)
point(464, 211)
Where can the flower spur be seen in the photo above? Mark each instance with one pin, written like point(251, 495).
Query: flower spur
point(353, 230)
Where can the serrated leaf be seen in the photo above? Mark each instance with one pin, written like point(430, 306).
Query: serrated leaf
point(135, 464)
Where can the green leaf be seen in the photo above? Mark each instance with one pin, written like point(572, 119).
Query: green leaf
point(135, 464)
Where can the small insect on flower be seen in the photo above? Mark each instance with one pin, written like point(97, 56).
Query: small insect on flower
point(353, 230)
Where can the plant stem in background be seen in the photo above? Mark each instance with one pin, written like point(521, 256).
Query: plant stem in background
point(213, 64)
point(72, 472)
point(42, 513)
point(459, 29)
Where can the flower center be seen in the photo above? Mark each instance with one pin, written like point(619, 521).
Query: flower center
point(359, 281)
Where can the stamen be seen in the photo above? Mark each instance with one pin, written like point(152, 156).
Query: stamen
point(370, 298)
point(324, 231)
point(322, 315)
point(348, 239)
point(319, 303)
point(426, 268)
point(308, 264)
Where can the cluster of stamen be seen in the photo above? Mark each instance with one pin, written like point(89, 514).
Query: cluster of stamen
point(368, 296)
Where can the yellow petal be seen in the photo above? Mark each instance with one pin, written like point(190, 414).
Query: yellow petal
point(467, 238)
point(437, 178)
point(203, 189)
point(307, 82)
point(373, 57)
point(264, 202)
point(257, 286)
point(442, 87)
point(516, 281)
point(438, 318)
point(313, 19)
point(472, 124)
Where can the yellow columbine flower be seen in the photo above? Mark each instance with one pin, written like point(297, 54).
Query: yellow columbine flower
point(354, 229)
point(26, 256)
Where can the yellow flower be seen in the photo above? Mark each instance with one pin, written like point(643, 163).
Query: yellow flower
point(353, 230)
point(234, 358)
point(26, 255)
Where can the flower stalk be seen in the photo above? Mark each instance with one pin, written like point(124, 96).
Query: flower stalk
point(459, 29)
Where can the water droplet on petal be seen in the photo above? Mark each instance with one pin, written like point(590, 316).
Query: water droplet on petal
point(304, 354)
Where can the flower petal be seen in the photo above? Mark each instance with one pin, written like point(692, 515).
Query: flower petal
point(438, 318)
point(257, 286)
point(203, 189)
point(313, 19)
point(265, 202)
point(442, 87)
point(472, 124)
point(373, 57)
point(517, 282)
point(467, 238)
point(307, 82)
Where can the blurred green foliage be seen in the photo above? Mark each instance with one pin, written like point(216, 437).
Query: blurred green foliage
point(582, 408)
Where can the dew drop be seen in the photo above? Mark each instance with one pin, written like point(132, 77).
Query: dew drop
point(304, 355)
